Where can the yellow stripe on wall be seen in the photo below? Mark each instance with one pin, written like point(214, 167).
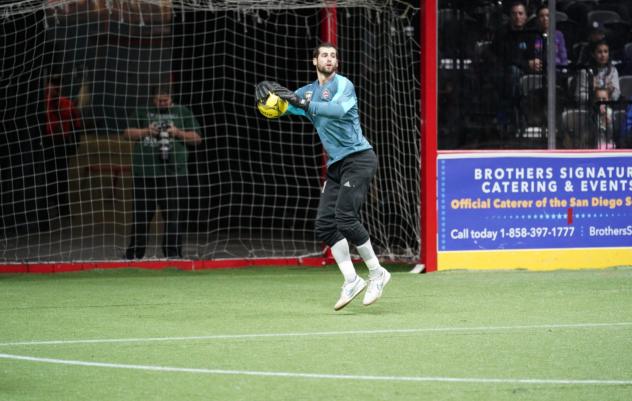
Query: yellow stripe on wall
point(538, 259)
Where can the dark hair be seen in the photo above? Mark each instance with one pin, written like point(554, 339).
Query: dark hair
point(316, 51)
point(595, 45)
point(598, 32)
point(593, 48)
point(541, 7)
point(162, 90)
point(514, 3)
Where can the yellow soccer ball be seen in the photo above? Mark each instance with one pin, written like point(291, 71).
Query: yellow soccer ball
point(273, 107)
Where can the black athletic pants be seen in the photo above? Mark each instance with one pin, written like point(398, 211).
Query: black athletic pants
point(169, 193)
point(342, 196)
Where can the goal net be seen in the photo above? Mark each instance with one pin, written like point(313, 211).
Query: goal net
point(67, 188)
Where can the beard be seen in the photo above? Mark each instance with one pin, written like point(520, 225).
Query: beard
point(326, 71)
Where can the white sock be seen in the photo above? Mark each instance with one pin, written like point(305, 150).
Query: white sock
point(340, 251)
point(368, 255)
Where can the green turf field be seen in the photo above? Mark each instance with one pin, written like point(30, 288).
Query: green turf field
point(271, 334)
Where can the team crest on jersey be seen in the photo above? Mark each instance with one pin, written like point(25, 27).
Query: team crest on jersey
point(308, 96)
point(326, 95)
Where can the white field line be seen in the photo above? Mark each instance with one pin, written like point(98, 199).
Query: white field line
point(318, 375)
point(320, 334)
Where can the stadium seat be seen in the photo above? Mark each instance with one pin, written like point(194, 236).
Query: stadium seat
point(625, 82)
point(561, 16)
point(576, 50)
point(599, 18)
point(481, 50)
point(618, 117)
point(627, 52)
point(563, 4)
point(487, 13)
point(531, 82)
point(625, 68)
point(617, 35)
point(578, 127)
point(577, 10)
point(623, 8)
point(533, 102)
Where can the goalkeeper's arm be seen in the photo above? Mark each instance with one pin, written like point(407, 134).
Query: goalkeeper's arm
point(331, 109)
point(327, 109)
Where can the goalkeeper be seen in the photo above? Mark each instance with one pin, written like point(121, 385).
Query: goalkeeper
point(330, 104)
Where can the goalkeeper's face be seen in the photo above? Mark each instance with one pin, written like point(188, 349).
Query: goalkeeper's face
point(327, 61)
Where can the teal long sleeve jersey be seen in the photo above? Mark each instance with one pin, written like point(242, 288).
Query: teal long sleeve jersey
point(333, 110)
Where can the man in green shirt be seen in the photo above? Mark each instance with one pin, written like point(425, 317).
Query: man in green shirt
point(162, 134)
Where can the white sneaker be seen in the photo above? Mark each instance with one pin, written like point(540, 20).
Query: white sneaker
point(350, 291)
point(376, 286)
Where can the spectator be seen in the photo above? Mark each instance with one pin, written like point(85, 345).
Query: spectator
point(509, 54)
point(583, 57)
point(160, 170)
point(535, 105)
point(509, 46)
point(59, 143)
point(537, 48)
point(599, 74)
point(603, 119)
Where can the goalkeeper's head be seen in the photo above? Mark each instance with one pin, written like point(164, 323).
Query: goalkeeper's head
point(325, 58)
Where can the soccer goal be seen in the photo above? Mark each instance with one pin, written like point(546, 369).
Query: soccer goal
point(253, 184)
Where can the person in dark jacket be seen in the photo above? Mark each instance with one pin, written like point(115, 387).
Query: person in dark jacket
point(509, 50)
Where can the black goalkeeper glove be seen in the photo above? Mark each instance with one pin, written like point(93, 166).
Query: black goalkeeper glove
point(264, 88)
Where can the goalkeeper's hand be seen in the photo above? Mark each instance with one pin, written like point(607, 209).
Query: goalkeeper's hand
point(264, 88)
